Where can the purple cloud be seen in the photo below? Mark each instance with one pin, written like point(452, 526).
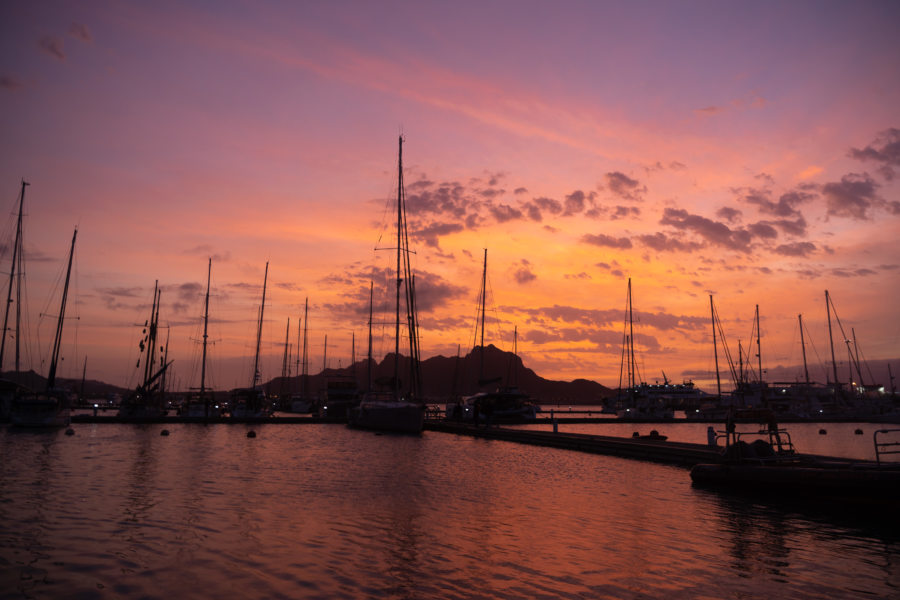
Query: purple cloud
point(80, 32)
point(8, 82)
point(606, 240)
point(624, 186)
point(52, 46)
point(803, 249)
point(884, 150)
point(853, 196)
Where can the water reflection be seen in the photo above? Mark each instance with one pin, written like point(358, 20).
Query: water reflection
point(321, 511)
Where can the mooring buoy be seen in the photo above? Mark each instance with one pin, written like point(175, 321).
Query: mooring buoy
point(70, 431)
point(164, 432)
point(251, 434)
point(858, 432)
point(822, 432)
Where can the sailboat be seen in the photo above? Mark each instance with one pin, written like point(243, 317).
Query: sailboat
point(50, 408)
point(504, 403)
point(10, 389)
point(251, 402)
point(390, 410)
point(302, 402)
point(201, 404)
point(642, 401)
point(146, 401)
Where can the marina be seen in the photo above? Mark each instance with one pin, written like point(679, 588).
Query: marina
point(119, 510)
point(425, 300)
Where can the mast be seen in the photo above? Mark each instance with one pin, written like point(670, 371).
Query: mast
point(712, 313)
point(483, 295)
point(633, 377)
point(285, 359)
point(803, 348)
point(16, 259)
point(837, 385)
point(305, 374)
point(83, 376)
point(150, 358)
point(399, 276)
point(285, 365)
point(205, 333)
point(57, 340)
point(856, 359)
point(262, 306)
point(369, 356)
point(325, 355)
point(759, 350)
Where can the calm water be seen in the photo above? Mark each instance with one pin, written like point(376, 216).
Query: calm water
point(322, 511)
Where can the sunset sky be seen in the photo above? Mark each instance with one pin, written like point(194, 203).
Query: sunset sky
point(745, 150)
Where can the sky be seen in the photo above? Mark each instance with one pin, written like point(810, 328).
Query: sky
point(748, 151)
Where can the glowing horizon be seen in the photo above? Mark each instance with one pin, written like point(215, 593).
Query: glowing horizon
point(749, 152)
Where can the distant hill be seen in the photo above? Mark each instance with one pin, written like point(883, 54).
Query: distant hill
point(443, 378)
point(92, 388)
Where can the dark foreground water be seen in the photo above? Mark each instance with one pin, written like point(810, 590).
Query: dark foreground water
point(322, 511)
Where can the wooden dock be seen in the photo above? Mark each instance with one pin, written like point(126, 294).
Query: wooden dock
point(662, 451)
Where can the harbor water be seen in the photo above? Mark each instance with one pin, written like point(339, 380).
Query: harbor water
point(323, 511)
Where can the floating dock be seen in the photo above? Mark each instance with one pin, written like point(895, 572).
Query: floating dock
point(643, 448)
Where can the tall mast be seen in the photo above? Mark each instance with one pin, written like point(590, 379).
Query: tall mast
point(325, 355)
point(16, 256)
point(285, 361)
point(483, 295)
point(837, 385)
point(759, 350)
point(856, 359)
point(353, 354)
point(399, 275)
point(150, 358)
point(803, 348)
point(83, 376)
point(369, 355)
point(299, 355)
point(57, 340)
point(262, 307)
point(205, 332)
point(633, 378)
point(712, 312)
point(305, 374)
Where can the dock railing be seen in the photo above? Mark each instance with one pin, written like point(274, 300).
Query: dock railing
point(887, 447)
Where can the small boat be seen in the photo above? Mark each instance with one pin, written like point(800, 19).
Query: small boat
point(769, 464)
point(382, 412)
point(499, 406)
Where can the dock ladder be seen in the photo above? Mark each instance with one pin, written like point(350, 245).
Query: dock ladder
point(887, 447)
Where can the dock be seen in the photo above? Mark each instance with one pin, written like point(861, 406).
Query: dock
point(661, 451)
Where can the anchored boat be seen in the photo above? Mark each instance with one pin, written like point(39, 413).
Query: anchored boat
point(391, 410)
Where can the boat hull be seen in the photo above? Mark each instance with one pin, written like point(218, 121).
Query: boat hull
point(399, 417)
point(39, 412)
point(844, 481)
